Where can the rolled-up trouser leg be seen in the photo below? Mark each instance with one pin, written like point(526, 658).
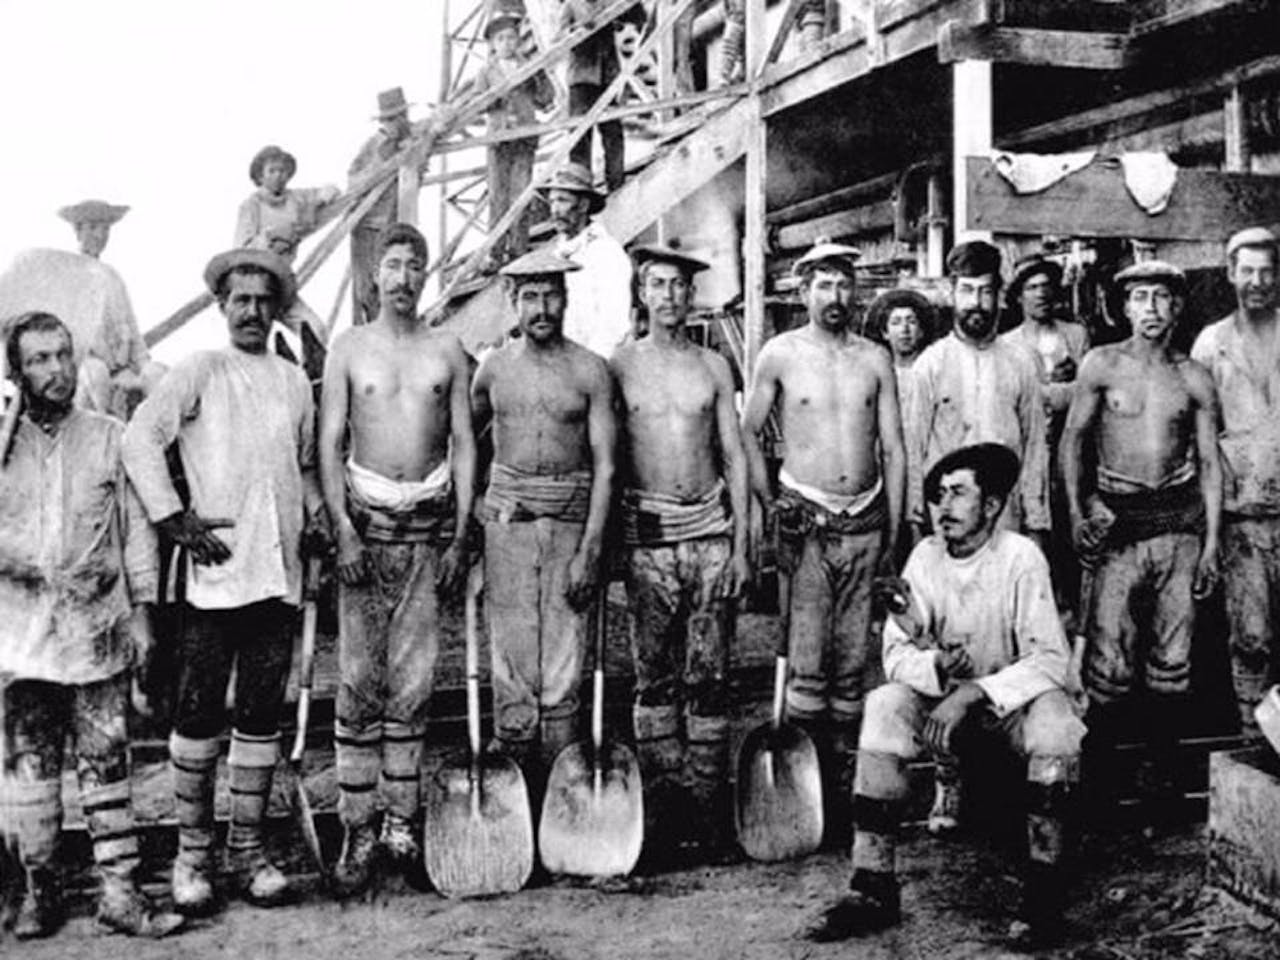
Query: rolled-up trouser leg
point(251, 764)
point(1251, 580)
point(194, 763)
point(563, 637)
point(1048, 733)
point(889, 737)
point(357, 759)
point(511, 610)
point(402, 768)
point(102, 762)
point(808, 631)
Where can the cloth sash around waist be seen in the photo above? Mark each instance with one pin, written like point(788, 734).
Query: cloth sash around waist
point(1152, 513)
point(516, 495)
point(799, 513)
point(392, 511)
point(650, 518)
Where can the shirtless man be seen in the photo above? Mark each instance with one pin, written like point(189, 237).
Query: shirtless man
point(400, 503)
point(684, 521)
point(840, 505)
point(1242, 352)
point(1151, 416)
point(544, 513)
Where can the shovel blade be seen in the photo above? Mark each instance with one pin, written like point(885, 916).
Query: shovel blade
point(477, 831)
point(592, 826)
point(305, 816)
point(779, 794)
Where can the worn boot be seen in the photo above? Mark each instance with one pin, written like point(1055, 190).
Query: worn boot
point(872, 904)
point(36, 808)
point(354, 870)
point(402, 788)
point(400, 841)
point(123, 908)
point(661, 755)
point(708, 777)
point(251, 764)
point(944, 816)
point(41, 912)
point(1039, 922)
point(194, 767)
point(842, 765)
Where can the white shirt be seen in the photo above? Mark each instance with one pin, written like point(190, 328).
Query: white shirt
point(598, 314)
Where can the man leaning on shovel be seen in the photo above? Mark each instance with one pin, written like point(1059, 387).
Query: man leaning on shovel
point(244, 422)
point(684, 522)
point(400, 505)
point(544, 513)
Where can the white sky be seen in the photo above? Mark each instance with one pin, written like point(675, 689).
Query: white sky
point(161, 105)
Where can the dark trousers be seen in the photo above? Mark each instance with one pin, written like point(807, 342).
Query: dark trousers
point(581, 97)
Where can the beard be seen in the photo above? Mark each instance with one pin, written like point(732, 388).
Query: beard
point(976, 324)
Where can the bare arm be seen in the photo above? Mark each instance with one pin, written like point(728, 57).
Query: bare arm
point(1081, 416)
point(335, 402)
point(462, 439)
point(893, 451)
point(1206, 397)
point(602, 434)
point(733, 455)
point(765, 384)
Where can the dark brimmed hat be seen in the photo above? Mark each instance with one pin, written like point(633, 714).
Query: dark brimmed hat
point(664, 253)
point(538, 263)
point(92, 211)
point(841, 255)
point(1151, 271)
point(1251, 237)
point(391, 103)
point(1028, 267)
point(883, 305)
point(273, 263)
point(268, 153)
point(575, 178)
point(994, 466)
point(974, 258)
point(500, 20)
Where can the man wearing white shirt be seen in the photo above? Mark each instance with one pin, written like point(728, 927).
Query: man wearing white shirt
point(976, 651)
point(598, 313)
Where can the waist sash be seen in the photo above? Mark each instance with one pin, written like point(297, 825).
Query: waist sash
point(517, 495)
point(649, 517)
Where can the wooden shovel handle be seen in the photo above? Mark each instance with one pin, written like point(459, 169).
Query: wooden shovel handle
point(475, 582)
point(597, 680)
point(781, 650)
point(306, 670)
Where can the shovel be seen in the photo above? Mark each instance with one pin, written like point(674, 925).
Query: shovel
point(301, 802)
point(593, 813)
point(779, 786)
point(477, 828)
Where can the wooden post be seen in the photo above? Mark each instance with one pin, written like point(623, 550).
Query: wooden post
point(446, 75)
point(753, 266)
point(971, 122)
point(409, 180)
point(1235, 133)
point(936, 238)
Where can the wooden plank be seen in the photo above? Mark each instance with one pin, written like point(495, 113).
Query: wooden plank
point(872, 218)
point(1151, 16)
point(1106, 15)
point(1206, 205)
point(834, 201)
point(972, 113)
point(783, 32)
point(1235, 130)
point(1078, 49)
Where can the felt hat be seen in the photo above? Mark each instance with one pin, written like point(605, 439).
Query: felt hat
point(994, 465)
point(974, 258)
point(391, 103)
point(575, 178)
point(1027, 267)
point(1251, 237)
point(92, 211)
point(267, 153)
point(668, 253)
point(1151, 271)
point(824, 249)
point(273, 263)
point(501, 19)
point(539, 263)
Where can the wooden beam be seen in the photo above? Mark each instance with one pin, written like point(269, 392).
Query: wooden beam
point(836, 200)
point(754, 238)
point(1105, 15)
point(1078, 49)
point(783, 32)
point(1206, 205)
point(871, 218)
point(1151, 16)
point(1235, 129)
point(971, 123)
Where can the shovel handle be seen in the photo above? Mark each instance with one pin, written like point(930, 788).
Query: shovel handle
point(306, 670)
point(475, 582)
point(597, 679)
point(9, 426)
point(781, 651)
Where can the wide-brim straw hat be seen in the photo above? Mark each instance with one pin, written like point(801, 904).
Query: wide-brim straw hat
point(92, 211)
point(575, 178)
point(268, 153)
point(223, 263)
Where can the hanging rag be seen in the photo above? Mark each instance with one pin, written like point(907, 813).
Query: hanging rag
point(1034, 172)
point(1149, 177)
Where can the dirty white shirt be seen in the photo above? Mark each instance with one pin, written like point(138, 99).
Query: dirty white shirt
point(1250, 403)
point(598, 314)
point(76, 552)
point(244, 424)
point(969, 393)
point(997, 604)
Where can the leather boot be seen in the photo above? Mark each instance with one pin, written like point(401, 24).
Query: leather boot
point(123, 908)
point(400, 841)
point(353, 872)
point(193, 893)
point(257, 879)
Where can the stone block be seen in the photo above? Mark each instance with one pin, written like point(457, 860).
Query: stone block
point(1244, 825)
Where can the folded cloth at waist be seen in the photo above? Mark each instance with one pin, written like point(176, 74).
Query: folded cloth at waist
point(860, 513)
point(1114, 482)
point(1152, 513)
point(518, 495)
point(649, 517)
point(393, 511)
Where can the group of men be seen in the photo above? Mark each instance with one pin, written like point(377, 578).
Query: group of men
point(632, 449)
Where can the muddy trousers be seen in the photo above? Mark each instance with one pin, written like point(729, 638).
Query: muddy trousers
point(1046, 731)
point(38, 716)
point(681, 628)
point(1251, 583)
point(582, 96)
point(258, 639)
point(388, 641)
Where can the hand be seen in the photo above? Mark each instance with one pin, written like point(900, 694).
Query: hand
point(141, 634)
point(580, 582)
point(317, 535)
point(1064, 371)
point(141, 702)
point(353, 562)
point(190, 531)
point(954, 663)
point(946, 716)
point(739, 575)
point(1090, 532)
point(1206, 577)
point(452, 572)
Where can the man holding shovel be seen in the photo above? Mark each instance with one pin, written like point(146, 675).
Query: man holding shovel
point(684, 521)
point(244, 421)
point(839, 508)
point(977, 651)
point(544, 513)
point(79, 569)
point(400, 504)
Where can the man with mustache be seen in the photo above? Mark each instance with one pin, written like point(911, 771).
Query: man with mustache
point(598, 313)
point(839, 505)
point(684, 522)
point(544, 513)
point(977, 652)
point(1242, 351)
point(243, 419)
point(1148, 417)
point(78, 571)
point(396, 398)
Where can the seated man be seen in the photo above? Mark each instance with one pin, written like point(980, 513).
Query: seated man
point(977, 649)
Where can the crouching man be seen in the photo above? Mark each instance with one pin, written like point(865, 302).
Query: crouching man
point(978, 651)
point(77, 567)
